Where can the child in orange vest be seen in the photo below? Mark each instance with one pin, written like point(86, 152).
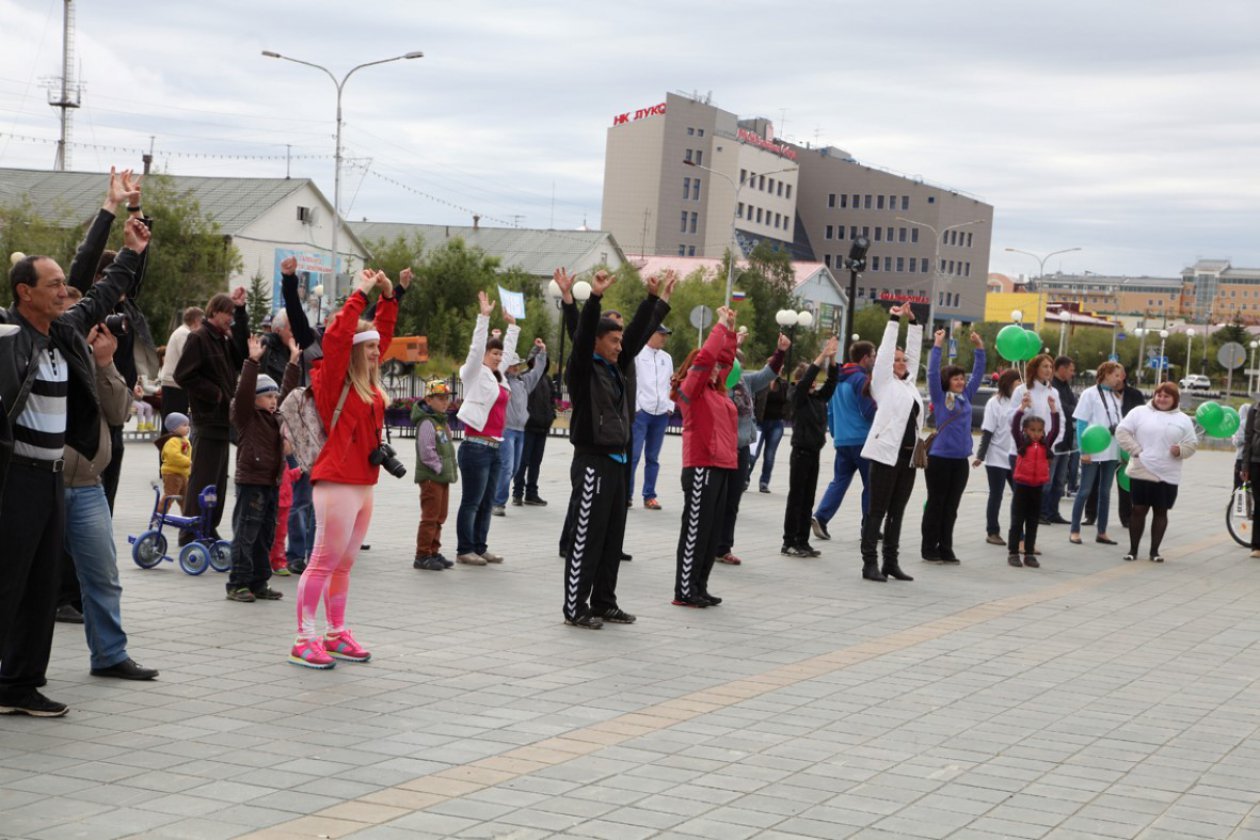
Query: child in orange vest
point(1032, 471)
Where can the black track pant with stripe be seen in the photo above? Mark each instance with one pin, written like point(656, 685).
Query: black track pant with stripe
point(704, 507)
point(598, 506)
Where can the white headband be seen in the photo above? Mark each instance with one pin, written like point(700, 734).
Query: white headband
point(366, 335)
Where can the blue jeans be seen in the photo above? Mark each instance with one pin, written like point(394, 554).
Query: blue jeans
point(1074, 472)
point(767, 445)
point(848, 461)
point(509, 456)
point(649, 434)
point(1088, 473)
point(478, 473)
point(90, 541)
point(301, 520)
point(1052, 491)
point(998, 479)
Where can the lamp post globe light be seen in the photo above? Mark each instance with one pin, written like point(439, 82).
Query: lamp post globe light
point(1017, 316)
point(340, 85)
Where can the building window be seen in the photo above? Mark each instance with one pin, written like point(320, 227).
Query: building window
point(866, 202)
point(687, 155)
point(827, 260)
point(844, 200)
point(923, 265)
point(914, 235)
point(682, 250)
point(697, 195)
point(691, 250)
point(695, 217)
point(780, 188)
point(857, 201)
point(761, 182)
point(874, 263)
point(905, 202)
point(739, 211)
point(968, 240)
point(684, 222)
point(931, 199)
point(827, 233)
point(901, 234)
point(789, 191)
point(743, 175)
point(787, 224)
point(839, 233)
point(686, 189)
point(778, 219)
point(831, 199)
point(913, 265)
point(889, 235)
point(878, 234)
point(770, 185)
point(691, 132)
point(879, 202)
point(758, 215)
point(853, 232)
point(699, 157)
point(700, 131)
point(901, 263)
point(968, 272)
point(861, 291)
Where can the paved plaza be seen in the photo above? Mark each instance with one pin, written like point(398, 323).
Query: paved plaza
point(1089, 698)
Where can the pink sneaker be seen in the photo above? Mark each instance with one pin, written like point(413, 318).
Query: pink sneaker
point(310, 653)
point(343, 646)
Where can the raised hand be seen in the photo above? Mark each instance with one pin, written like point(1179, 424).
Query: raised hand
point(136, 236)
point(602, 282)
point(832, 347)
point(288, 266)
point(667, 289)
point(654, 285)
point(238, 294)
point(938, 338)
point(103, 344)
point(255, 348)
point(1026, 402)
point(382, 283)
point(977, 340)
point(295, 352)
point(117, 191)
point(785, 343)
point(726, 316)
point(564, 281)
point(132, 187)
point(542, 348)
point(405, 278)
point(509, 317)
point(487, 305)
point(367, 281)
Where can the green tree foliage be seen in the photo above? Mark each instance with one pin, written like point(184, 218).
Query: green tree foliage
point(51, 233)
point(257, 302)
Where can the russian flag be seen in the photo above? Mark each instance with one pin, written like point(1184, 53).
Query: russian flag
point(738, 295)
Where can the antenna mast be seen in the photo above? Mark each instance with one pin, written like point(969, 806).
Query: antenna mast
point(65, 93)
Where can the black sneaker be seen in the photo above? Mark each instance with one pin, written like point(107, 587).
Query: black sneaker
point(450, 564)
point(268, 594)
point(809, 550)
point(431, 563)
point(711, 598)
point(1013, 559)
point(536, 501)
point(820, 529)
point(626, 558)
point(590, 621)
point(128, 669)
point(1031, 562)
point(616, 615)
point(296, 567)
point(31, 702)
point(67, 614)
point(793, 551)
point(242, 595)
point(516, 501)
point(697, 603)
point(951, 561)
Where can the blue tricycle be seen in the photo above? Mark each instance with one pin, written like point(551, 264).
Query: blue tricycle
point(202, 552)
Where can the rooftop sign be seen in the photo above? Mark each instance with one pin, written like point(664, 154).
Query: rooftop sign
point(746, 136)
point(631, 116)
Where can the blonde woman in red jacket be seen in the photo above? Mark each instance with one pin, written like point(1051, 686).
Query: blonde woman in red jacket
point(348, 394)
point(710, 458)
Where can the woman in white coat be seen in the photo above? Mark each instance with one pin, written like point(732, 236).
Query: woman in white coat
point(890, 443)
point(1158, 437)
point(1098, 406)
point(484, 415)
point(1037, 375)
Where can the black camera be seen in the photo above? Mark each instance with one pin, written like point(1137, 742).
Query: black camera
point(385, 456)
point(118, 324)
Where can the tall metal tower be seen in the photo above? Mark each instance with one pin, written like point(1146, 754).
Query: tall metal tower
point(64, 93)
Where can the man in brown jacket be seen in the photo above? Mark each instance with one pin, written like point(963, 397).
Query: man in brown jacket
point(260, 466)
point(89, 535)
point(207, 372)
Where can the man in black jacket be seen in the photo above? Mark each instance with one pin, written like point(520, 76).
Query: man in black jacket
point(48, 388)
point(542, 413)
point(207, 372)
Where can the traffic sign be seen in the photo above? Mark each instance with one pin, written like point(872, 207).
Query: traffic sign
point(701, 316)
point(1157, 362)
point(1232, 355)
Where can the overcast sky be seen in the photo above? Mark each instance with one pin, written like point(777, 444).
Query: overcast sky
point(1128, 128)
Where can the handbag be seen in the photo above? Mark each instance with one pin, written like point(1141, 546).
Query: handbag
point(922, 446)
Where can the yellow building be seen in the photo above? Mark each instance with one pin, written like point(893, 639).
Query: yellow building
point(999, 305)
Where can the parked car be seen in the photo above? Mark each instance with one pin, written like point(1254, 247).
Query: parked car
point(1196, 382)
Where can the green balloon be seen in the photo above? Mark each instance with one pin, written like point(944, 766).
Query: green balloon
point(1095, 439)
point(1122, 477)
point(1032, 346)
point(1011, 343)
point(737, 370)
point(1228, 423)
point(1209, 415)
point(1124, 455)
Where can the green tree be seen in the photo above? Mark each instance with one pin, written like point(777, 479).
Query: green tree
point(50, 232)
point(257, 302)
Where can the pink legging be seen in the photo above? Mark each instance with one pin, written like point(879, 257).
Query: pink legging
point(342, 514)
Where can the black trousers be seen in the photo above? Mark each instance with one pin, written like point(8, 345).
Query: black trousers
point(890, 490)
point(1253, 476)
point(802, 487)
point(525, 482)
point(209, 467)
point(704, 500)
point(253, 532)
point(946, 479)
point(174, 400)
point(1025, 516)
point(33, 523)
point(734, 492)
point(109, 475)
point(598, 504)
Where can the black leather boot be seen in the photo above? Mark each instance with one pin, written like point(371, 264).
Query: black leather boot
point(870, 571)
point(892, 570)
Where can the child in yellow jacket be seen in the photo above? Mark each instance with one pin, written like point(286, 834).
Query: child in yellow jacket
point(176, 459)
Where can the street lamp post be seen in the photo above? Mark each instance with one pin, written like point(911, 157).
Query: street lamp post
point(1251, 386)
point(791, 319)
point(1163, 366)
point(1041, 273)
point(736, 188)
point(340, 85)
point(1140, 332)
point(936, 259)
point(1189, 345)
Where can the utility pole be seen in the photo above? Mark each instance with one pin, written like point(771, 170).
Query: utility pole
point(66, 96)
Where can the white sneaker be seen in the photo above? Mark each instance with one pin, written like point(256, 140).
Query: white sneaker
point(491, 557)
point(471, 559)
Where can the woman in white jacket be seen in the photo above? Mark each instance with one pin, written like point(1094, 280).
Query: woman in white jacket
point(1158, 437)
point(995, 451)
point(898, 421)
point(1098, 406)
point(1037, 375)
point(484, 415)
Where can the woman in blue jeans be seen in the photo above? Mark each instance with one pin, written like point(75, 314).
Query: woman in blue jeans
point(996, 449)
point(1098, 406)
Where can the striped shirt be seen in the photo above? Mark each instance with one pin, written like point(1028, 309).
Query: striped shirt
point(40, 430)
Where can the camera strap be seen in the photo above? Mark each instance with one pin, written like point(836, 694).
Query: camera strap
point(1102, 395)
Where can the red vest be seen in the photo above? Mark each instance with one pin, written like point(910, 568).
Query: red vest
point(1033, 467)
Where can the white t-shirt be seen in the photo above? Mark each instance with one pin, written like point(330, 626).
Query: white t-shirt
point(1041, 395)
point(1156, 432)
point(997, 419)
point(1100, 407)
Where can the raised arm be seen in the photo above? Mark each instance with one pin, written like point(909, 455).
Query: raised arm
point(88, 256)
point(582, 359)
point(935, 391)
point(338, 343)
point(481, 333)
point(100, 298)
point(531, 377)
point(978, 360)
point(298, 322)
point(703, 362)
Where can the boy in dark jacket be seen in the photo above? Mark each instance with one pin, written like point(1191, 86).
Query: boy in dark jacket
point(809, 433)
point(436, 471)
point(260, 466)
